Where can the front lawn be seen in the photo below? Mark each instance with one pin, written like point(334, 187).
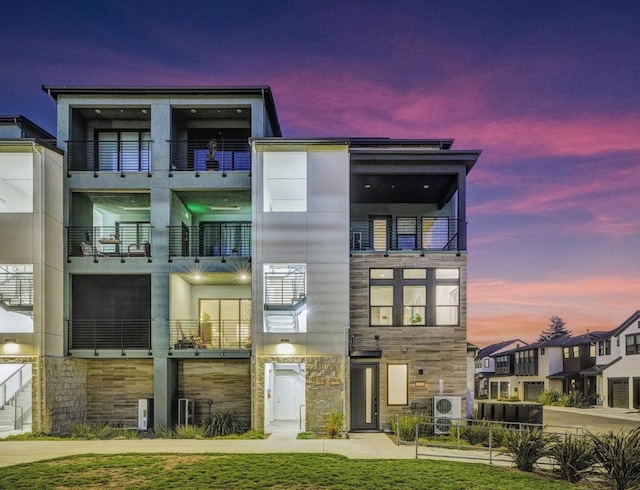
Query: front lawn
point(263, 471)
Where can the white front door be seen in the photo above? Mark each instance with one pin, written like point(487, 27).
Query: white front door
point(285, 398)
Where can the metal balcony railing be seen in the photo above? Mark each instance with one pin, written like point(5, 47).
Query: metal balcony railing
point(223, 335)
point(108, 156)
point(16, 288)
point(416, 233)
point(109, 334)
point(199, 156)
point(122, 240)
point(211, 239)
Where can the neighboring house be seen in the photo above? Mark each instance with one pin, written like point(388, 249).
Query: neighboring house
point(485, 364)
point(31, 262)
point(578, 354)
point(211, 264)
point(616, 373)
point(524, 372)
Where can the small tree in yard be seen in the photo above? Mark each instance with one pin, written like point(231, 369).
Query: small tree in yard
point(556, 329)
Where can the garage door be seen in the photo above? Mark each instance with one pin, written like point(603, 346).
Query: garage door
point(533, 390)
point(619, 393)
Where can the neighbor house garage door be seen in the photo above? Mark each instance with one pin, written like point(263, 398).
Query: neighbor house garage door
point(619, 393)
point(533, 390)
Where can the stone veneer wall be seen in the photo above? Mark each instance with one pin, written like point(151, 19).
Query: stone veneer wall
point(114, 387)
point(226, 382)
point(64, 394)
point(325, 381)
point(439, 351)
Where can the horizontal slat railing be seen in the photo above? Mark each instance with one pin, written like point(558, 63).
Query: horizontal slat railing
point(125, 240)
point(110, 334)
point(417, 233)
point(199, 156)
point(219, 239)
point(284, 288)
point(211, 334)
point(108, 156)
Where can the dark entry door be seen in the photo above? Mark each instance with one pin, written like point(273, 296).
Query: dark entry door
point(364, 396)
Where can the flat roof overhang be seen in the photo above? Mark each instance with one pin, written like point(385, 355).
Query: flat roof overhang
point(408, 175)
point(264, 91)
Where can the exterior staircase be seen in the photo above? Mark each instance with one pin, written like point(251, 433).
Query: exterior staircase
point(16, 288)
point(16, 400)
point(285, 299)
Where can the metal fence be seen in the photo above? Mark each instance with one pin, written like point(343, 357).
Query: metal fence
point(110, 334)
point(108, 156)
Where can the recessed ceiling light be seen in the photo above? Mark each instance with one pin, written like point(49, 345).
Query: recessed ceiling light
point(239, 111)
point(144, 111)
point(121, 111)
point(426, 186)
point(367, 186)
point(193, 111)
point(243, 277)
point(197, 276)
point(136, 208)
point(98, 111)
point(225, 208)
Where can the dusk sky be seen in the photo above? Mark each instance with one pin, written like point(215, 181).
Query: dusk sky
point(550, 91)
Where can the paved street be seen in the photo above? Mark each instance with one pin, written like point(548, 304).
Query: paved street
point(554, 416)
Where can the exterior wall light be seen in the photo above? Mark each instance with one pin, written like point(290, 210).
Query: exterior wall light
point(10, 346)
point(285, 348)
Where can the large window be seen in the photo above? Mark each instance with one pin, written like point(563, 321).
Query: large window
point(285, 181)
point(633, 344)
point(225, 323)
point(414, 297)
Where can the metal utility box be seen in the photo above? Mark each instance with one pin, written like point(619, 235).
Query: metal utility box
point(145, 413)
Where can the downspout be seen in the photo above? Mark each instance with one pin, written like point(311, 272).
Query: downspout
point(40, 357)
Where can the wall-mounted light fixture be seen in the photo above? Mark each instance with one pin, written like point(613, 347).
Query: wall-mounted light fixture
point(285, 347)
point(10, 346)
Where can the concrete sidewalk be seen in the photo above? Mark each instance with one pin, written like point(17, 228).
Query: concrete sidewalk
point(358, 446)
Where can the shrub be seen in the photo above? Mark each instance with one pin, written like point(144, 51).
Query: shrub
point(306, 435)
point(619, 455)
point(405, 427)
point(549, 397)
point(477, 432)
point(222, 424)
point(575, 398)
point(190, 432)
point(333, 423)
point(573, 455)
point(91, 430)
point(526, 447)
point(163, 432)
point(124, 434)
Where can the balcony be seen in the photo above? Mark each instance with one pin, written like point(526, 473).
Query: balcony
point(364, 346)
point(111, 334)
point(123, 240)
point(413, 233)
point(197, 156)
point(122, 156)
point(230, 337)
point(211, 239)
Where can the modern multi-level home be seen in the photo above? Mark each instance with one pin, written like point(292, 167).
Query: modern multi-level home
point(31, 266)
point(211, 264)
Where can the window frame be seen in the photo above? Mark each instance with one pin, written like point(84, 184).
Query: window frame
point(632, 348)
point(430, 282)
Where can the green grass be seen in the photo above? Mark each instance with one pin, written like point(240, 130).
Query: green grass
point(263, 471)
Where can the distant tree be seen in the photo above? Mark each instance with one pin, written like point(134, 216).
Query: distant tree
point(557, 328)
